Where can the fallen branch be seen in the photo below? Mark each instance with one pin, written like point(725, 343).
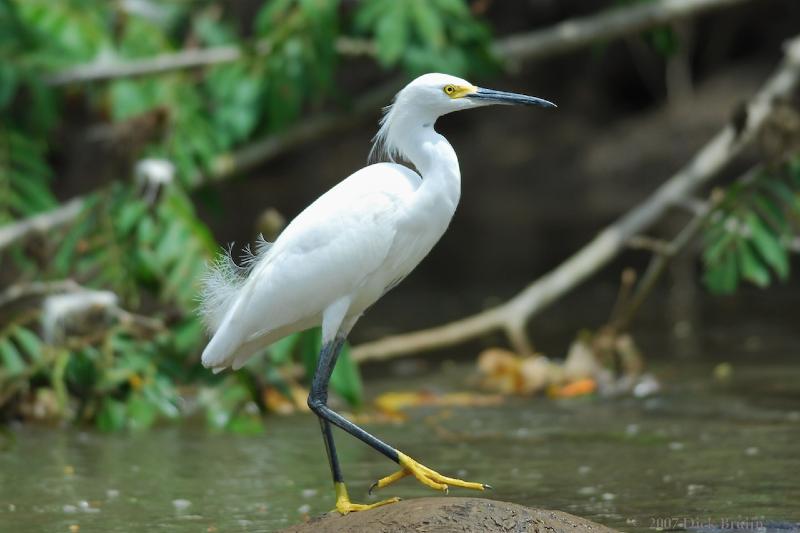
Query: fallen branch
point(512, 316)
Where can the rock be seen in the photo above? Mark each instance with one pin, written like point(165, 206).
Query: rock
point(441, 515)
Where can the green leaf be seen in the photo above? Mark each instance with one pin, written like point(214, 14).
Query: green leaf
point(768, 245)
point(723, 276)
point(783, 192)
point(391, 32)
point(310, 344)
point(346, 378)
point(129, 215)
point(57, 378)
point(9, 78)
point(771, 212)
point(187, 335)
point(718, 243)
point(13, 364)
point(246, 424)
point(428, 24)
point(281, 351)
point(28, 341)
point(141, 413)
point(112, 415)
point(750, 266)
point(162, 396)
point(224, 402)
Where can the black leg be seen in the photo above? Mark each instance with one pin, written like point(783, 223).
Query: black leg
point(318, 403)
point(330, 448)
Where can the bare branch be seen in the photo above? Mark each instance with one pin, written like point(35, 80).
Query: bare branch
point(561, 38)
point(574, 34)
point(42, 223)
point(719, 151)
point(108, 69)
point(257, 152)
point(18, 291)
point(46, 289)
point(658, 265)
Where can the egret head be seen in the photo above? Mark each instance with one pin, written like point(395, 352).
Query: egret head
point(430, 96)
point(440, 94)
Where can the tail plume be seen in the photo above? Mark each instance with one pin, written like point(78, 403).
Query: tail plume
point(223, 281)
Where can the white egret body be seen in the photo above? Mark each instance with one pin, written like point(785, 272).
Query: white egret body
point(349, 247)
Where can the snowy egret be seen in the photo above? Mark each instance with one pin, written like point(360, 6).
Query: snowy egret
point(347, 249)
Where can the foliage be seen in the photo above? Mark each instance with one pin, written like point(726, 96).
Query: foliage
point(426, 35)
point(750, 232)
point(138, 248)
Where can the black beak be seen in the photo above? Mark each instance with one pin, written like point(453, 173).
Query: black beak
point(500, 97)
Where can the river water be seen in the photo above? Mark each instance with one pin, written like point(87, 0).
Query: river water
point(700, 452)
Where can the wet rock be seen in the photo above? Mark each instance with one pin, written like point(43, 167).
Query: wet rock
point(466, 515)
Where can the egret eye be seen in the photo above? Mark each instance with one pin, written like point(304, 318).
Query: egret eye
point(449, 90)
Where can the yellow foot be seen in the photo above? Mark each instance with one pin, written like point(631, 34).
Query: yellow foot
point(344, 505)
point(426, 476)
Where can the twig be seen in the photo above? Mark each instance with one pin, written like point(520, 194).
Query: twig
point(513, 315)
point(658, 265)
point(146, 323)
point(643, 242)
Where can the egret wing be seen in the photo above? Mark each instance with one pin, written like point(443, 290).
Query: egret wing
point(330, 250)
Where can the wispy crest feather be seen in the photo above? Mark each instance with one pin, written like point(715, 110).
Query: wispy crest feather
point(382, 146)
point(224, 279)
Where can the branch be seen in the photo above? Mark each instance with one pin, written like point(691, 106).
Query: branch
point(512, 316)
point(573, 34)
point(22, 290)
point(561, 38)
point(316, 127)
point(225, 165)
point(42, 223)
point(106, 69)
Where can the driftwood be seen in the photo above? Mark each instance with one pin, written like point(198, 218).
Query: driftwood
point(513, 316)
point(564, 37)
point(466, 515)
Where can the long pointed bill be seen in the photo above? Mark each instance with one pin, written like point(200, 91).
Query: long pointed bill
point(489, 96)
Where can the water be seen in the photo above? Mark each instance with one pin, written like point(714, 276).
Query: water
point(698, 453)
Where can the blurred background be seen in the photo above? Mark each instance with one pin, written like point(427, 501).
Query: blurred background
point(649, 375)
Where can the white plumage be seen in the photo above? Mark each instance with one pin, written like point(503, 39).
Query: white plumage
point(359, 239)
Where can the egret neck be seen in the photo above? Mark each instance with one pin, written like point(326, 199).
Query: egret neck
point(414, 137)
